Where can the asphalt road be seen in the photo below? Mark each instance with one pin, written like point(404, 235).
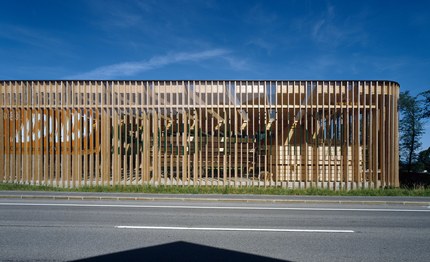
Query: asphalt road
point(43, 230)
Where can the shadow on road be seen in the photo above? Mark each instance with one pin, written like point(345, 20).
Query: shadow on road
point(179, 251)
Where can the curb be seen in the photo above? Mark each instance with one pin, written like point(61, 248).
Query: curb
point(231, 200)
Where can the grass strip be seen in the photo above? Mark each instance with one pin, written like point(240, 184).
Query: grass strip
point(418, 191)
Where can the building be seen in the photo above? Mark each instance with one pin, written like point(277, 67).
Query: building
point(329, 134)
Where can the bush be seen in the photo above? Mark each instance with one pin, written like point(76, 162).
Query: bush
point(414, 180)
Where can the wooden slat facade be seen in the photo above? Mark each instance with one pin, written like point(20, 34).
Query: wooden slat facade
point(328, 134)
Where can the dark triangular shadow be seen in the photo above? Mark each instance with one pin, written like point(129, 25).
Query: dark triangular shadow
point(180, 251)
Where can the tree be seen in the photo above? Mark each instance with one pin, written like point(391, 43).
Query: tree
point(426, 103)
point(423, 162)
point(411, 127)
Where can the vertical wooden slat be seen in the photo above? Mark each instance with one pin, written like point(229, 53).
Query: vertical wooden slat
point(383, 135)
point(139, 126)
point(18, 131)
point(315, 131)
point(149, 165)
point(196, 149)
point(190, 117)
point(57, 141)
point(396, 136)
point(3, 137)
point(122, 166)
point(84, 144)
point(343, 141)
point(124, 132)
point(208, 133)
point(105, 135)
point(247, 135)
point(95, 153)
point(264, 121)
point(130, 134)
point(286, 140)
point(158, 104)
point(282, 145)
point(293, 136)
point(338, 135)
point(7, 144)
point(313, 135)
point(62, 143)
point(376, 135)
point(147, 131)
point(25, 150)
point(257, 132)
point(211, 136)
point(276, 142)
point(325, 182)
point(71, 121)
point(352, 133)
point(391, 149)
point(31, 129)
point(74, 166)
point(333, 142)
point(363, 144)
point(347, 137)
point(330, 90)
point(116, 138)
point(163, 130)
point(305, 153)
point(390, 131)
point(84, 133)
point(45, 150)
point(185, 151)
point(51, 144)
point(12, 126)
point(6, 119)
point(65, 147)
point(18, 143)
point(39, 143)
point(24, 128)
point(69, 118)
point(12, 132)
point(357, 129)
point(390, 137)
point(144, 148)
point(2, 131)
point(136, 116)
point(21, 133)
point(117, 126)
point(74, 146)
point(235, 134)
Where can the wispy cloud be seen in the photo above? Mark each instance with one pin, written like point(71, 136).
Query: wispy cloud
point(138, 24)
point(258, 15)
point(263, 44)
point(29, 36)
point(351, 66)
point(238, 64)
point(133, 68)
point(330, 29)
point(119, 15)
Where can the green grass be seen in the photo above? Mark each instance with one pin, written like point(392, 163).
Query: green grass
point(419, 191)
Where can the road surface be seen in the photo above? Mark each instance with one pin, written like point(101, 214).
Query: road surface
point(171, 230)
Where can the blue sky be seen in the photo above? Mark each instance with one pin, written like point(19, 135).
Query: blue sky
point(187, 39)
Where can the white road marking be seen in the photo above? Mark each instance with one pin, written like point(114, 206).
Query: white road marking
point(215, 207)
point(238, 229)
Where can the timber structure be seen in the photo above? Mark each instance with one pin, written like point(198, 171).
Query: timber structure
point(297, 134)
